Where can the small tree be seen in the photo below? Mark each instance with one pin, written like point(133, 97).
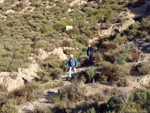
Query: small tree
point(90, 72)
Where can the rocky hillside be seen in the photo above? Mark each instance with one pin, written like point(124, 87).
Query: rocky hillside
point(37, 37)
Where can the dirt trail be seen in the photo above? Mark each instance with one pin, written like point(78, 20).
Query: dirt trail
point(92, 88)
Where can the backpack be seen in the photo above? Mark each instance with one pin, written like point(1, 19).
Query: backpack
point(70, 62)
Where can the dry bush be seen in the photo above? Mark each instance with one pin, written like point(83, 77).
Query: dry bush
point(66, 43)
point(123, 70)
point(84, 60)
point(50, 48)
point(136, 54)
point(123, 82)
point(9, 107)
point(97, 58)
point(28, 93)
point(57, 72)
point(39, 109)
point(111, 55)
point(109, 70)
point(97, 97)
point(120, 40)
point(144, 68)
point(113, 71)
point(110, 45)
point(74, 93)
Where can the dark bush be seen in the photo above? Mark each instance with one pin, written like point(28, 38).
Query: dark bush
point(140, 96)
point(114, 103)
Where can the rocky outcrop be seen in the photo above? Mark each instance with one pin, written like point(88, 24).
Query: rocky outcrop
point(59, 52)
point(80, 2)
point(42, 54)
point(143, 81)
point(13, 80)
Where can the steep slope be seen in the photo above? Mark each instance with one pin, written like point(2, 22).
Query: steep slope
point(35, 44)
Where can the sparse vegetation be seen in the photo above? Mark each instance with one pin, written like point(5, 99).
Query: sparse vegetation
point(27, 26)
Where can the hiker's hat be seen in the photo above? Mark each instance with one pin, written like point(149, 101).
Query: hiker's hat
point(71, 55)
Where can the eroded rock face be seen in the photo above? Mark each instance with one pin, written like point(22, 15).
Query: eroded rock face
point(13, 80)
point(145, 80)
point(59, 52)
point(42, 54)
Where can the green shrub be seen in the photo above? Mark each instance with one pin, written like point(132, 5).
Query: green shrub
point(91, 110)
point(52, 61)
point(131, 38)
point(133, 26)
point(42, 44)
point(148, 95)
point(114, 103)
point(57, 72)
point(46, 28)
point(120, 59)
point(90, 73)
point(16, 63)
point(140, 96)
point(111, 16)
point(131, 98)
point(82, 40)
point(9, 107)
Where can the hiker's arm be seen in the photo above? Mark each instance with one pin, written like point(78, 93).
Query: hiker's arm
point(68, 63)
point(76, 62)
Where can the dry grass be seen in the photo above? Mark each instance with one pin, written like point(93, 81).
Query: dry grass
point(28, 93)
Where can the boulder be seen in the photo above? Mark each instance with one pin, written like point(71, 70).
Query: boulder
point(69, 28)
point(59, 52)
point(42, 54)
point(14, 80)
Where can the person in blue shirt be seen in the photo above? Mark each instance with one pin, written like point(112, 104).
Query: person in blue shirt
point(72, 63)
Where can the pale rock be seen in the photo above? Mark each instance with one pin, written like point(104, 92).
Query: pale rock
point(42, 54)
point(59, 52)
point(69, 28)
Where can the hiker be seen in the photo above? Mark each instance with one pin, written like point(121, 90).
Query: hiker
point(72, 63)
point(90, 52)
